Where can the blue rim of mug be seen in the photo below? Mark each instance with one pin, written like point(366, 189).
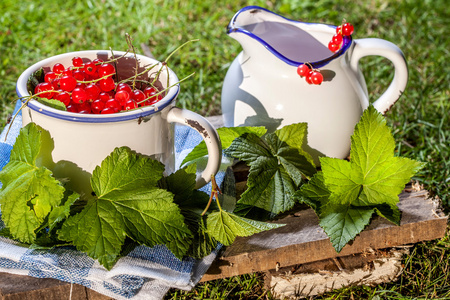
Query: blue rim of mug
point(347, 40)
point(21, 90)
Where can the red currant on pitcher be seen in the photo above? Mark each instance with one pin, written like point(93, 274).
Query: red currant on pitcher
point(333, 47)
point(303, 70)
point(347, 29)
point(316, 77)
point(337, 39)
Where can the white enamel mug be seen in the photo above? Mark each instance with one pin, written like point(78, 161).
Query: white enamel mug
point(85, 140)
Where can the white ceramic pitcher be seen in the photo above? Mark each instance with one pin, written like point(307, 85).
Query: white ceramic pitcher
point(82, 141)
point(262, 86)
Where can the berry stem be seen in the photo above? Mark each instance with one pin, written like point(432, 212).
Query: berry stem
point(215, 191)
point(136, 68)
point(95, 80)
point(162, 91)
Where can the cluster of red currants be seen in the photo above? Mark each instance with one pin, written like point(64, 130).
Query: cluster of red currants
point(312, 76)
point(89, 88)
point(345, 29)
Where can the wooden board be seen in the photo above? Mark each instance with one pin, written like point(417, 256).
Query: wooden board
point(302, 240)
point(18, 287)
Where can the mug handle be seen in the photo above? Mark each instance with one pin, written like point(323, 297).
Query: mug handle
point(209, 135)
point(380, 47)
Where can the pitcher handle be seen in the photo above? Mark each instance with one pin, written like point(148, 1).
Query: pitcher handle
point(380, 47)
point(209, 135)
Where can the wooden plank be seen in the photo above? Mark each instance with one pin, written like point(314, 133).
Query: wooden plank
point(302, 240)
point(21, 287)
point(18, 287)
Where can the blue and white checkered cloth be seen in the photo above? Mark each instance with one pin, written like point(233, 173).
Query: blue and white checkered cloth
point(145, 273)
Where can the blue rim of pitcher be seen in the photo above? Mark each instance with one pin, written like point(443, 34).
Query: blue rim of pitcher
point(347, 41)
point(21, 91)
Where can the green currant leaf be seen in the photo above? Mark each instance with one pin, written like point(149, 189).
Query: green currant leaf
point(314, 193)
point(342, 223)
point(276, 170)
point(346, 194)
point(203, 243)
point(29, 191)
point(269, 186)
point(128, 204)
point(181, 183)
point(35, 78)
point(225, 226)
point(61, 212)
point(374, 175)
point(56, 104)
point(227, 135)
point(295, 135)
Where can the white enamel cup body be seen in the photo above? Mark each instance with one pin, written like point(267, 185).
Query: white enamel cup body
point(85, 140)
point(262, 86)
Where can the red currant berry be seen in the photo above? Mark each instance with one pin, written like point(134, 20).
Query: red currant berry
point(55, 83)
point(138, 95)
point(337, 39)
point(64, 97)
point(97, 106)
point(81, 85)
point(130, 104)
point(58, 68)
point(92, 91)
point(333, 47)
point(107, 84)
point(68, 83)
point(90, 68)
point(105, 70)
point(44, 87)
point(84, 108)
point(77, 62)
point(347, 29)
point(114, 104)
point(97, 61)
point(72, 107)
point(303, 70)
point(67, 71)
point(79, 95)
point(308, 77)
point(104, 96)
point(108, 110)
point(149, 91)
point(316, 77)
point(339, 30)
point(122, 97)
point(50, 76)
point(123, 87)
point(79, 75)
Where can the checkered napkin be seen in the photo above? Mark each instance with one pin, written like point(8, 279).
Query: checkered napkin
point(145, 273)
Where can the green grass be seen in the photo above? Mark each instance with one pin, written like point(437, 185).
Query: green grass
point(33, 30)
